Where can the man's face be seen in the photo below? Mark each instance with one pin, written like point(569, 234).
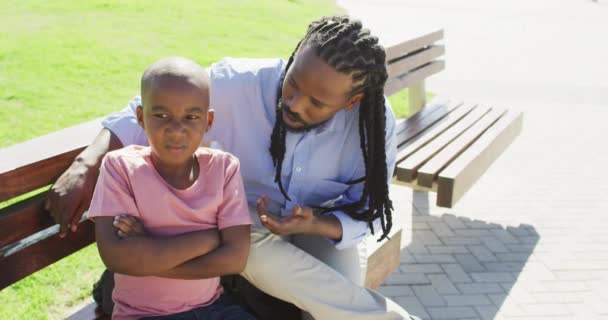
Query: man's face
point(313, 91)
point(175, 116)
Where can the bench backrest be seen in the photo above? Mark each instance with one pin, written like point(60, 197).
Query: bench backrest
point(411, 62)
point(28, 240)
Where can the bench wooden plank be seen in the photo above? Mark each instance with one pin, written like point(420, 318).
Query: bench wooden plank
point(413, 77)
point(408, 169)
point(423, 120)
point(36, 163)
point(383, 261)
point(417, 59)
point(428, 173)
point(41, 253)
point(394, 51)
point(462, 173)
point(428, 135)
point(21, 180)
point(23, 219)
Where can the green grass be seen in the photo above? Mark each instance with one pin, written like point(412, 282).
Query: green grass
point(64, 62)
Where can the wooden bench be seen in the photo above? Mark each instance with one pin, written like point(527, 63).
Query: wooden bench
point(443, 148)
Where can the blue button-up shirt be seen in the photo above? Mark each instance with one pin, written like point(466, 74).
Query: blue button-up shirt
point(318, 163)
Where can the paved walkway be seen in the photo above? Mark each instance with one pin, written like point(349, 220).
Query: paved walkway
point(530, 240)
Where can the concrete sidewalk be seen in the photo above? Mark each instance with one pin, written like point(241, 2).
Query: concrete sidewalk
point(530, 240)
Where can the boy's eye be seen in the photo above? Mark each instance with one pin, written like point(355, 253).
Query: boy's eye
point(161, 115)
point(192, 117)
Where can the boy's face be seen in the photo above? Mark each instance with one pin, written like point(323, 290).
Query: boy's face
point(175, 116)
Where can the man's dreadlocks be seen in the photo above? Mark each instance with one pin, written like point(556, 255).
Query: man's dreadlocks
point(349, 49)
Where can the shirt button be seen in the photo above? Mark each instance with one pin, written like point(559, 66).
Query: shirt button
point(298, 169)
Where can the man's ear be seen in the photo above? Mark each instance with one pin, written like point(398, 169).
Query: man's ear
point(140, 116)
point(210, 118)
point(353, 101)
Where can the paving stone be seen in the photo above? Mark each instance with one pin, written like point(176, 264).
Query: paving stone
point(503, 266)
point(420, 226)
point(412, 306)
point(421, 268)
point(407, 279)
point(441, 228)
point(482, 253)
point(487, 312)
point(492, 277)
point(433, 258)
point(504, 236)
point(396, 290)
point(447, 249)
point(479, 288)
point(428, 296)
point(453, 222)
point(456, 273)
point(513, 257)
point(459, 240)
point(469, 263)
point(451, 312)
point(442, 284)
point(467, 300)
point(427, 237)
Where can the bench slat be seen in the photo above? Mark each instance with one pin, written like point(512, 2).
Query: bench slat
point(23, 219)
point(408, 169)
point(38, 162)
point(413, 77)
point(429, 133)
point(411, 62)
point(394, 51)
point(43, 253)
point(421, 121)
point(462, 173)
point(430, 170)
point(22, 180)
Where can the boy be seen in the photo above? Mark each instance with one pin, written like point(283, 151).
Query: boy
point(191, 201)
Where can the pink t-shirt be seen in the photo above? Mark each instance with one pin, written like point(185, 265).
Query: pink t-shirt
point(129, 184)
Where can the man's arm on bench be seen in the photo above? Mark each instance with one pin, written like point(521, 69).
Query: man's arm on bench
point(71, 194)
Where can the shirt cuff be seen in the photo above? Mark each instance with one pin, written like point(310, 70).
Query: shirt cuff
point(353, 231)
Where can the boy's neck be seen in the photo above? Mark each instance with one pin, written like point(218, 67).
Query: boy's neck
point(179, 176)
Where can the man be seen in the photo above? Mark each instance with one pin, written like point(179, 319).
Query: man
point(317, 150)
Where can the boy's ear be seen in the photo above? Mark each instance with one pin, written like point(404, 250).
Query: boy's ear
point(140, 116)
point(353, 101)
point(210, 117)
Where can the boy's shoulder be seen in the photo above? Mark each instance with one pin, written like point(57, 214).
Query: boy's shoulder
point(212, 156)
point(130, 156)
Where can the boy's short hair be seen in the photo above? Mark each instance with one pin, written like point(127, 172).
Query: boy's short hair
point(174, 67)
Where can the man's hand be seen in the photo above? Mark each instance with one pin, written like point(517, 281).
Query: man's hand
point(129, 226)
point(70, 196)
point(301, 222)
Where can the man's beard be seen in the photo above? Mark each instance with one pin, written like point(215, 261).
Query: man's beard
point(296, 117)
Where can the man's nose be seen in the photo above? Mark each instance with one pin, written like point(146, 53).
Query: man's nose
point(295, 102)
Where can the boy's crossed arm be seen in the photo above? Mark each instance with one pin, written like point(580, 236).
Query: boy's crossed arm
point(149, 256)
point(229, 256)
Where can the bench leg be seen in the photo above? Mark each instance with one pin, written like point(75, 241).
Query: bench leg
point(417, 97)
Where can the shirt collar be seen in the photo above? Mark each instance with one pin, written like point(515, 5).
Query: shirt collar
point(339, 121)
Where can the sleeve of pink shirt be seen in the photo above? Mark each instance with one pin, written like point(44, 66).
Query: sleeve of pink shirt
point(234, 209)
point(112, 196)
